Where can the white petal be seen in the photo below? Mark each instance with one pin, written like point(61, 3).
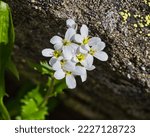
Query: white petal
point(78, 38)
point(60, 58)
point(100, 46)
point(70, 23)
point(86, 47)
point(82, 50)
point(83, 77)
point(59, 74)
point(91, 68)
point(58, 46)
point(74, 47)
point(56, 40)
point(79, 70)
point(69, 34)
point(56, 65)
point(67, 52)
point(84, 31)
point(70, 81)
point(69, 66)
point(75, 59)
point(101, 55)
point(88, 62)
point(94, 41)
point(52, 61)
point(47, 52)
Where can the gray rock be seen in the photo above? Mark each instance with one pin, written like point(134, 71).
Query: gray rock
point(117, 89)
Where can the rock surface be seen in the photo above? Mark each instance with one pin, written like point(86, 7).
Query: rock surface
point(117, 89)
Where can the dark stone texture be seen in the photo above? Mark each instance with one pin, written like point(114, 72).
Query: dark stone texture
point(117, 89)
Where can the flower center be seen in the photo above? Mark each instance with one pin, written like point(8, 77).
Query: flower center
point(62, 62)
point(66, 42)
point(86, 40)
point(56, 53)
point(68, 73)
point(80, 57)
point(92, 52)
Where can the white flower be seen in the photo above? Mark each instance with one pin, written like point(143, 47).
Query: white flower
point(55, 54)
point(83, 39)
point(86, 60)
point(69, 71)
point(71, 24)
point(65, 44)
point(96, 47)
point(74, 54)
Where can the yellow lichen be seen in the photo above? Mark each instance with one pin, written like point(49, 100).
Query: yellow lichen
point(140, 19)
point(135, 25)
point(147, 20)
point(141, 24)
point(125, 15)
point(147, 2)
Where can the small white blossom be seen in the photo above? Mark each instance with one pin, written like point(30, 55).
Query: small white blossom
point(65, 44)
point(55, 55)
point(74, 54)
point(96, 47)
point(71, 24)
point(83, 39)
point(69, 71)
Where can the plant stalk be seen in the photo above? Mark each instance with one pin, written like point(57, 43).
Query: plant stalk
point(3, 110)
point(49, 94)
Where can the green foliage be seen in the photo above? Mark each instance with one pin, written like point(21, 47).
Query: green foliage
point(43, 68)
point(33, 103)
point(7, 37)
point(59, 86)
point(32, 108)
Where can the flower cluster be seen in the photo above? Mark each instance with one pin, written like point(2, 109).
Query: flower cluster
point(74, 54)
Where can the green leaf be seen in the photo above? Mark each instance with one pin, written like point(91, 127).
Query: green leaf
point(44, 68)
point(7, 37)
point(4, 23)
point(31, 108)
point(6, 41)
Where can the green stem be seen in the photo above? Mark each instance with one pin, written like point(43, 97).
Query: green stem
point(49, 94)
point(3, 110)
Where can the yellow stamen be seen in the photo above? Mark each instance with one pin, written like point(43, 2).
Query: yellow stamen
point(68, 73)
point(66, 42)
point(80, 57)
point(92, 52)
point(62, 62)
point(86, 41)
point(56, 53)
